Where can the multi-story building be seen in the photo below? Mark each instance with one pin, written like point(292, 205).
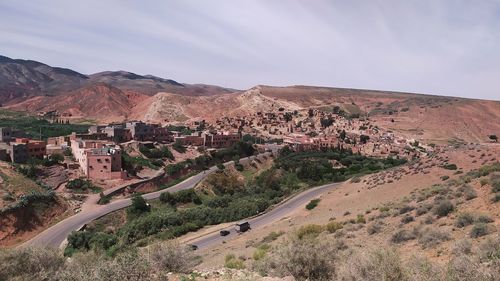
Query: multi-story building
point(98, 159)
point(222, 140)
point(35, 148)
point(5, 134)
point(190, 140)
point(141, 131)
point(3, 154)
point(117, 133)
point(18, 152)
point(8, 134)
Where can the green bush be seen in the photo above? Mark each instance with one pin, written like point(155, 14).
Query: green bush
point(139, 205)
point(310, 230)
point(333, 226)
point(312, 204)
point(177, 146)
point(450, 166)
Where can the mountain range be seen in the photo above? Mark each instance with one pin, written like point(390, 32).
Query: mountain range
point(31, 86)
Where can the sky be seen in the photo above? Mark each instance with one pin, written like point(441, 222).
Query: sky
point(425, 46)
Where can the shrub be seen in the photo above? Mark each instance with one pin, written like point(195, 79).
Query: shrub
point(230, 261)
point(29, 263)
point(479, 229)
point(360, 219)
point(443, 208)
point(379, 264)
point(495, 198)
point(405, 209)
point(421, 210)
point(272, 236)
point(484, 219)
point(260, 252)
point(469, 193)
point(139, 205)
point(171, 257)
point(464, 219)
point(307, 259)
point(430, 237)
point(483, 182)
point(310, 230)
point(490, 249)
point(374, 227)
point(402, 236)
point(407, 219)
point(177, 146)
point(312, 204)
point(462, 247)
point(333, 226)
point(450, 166)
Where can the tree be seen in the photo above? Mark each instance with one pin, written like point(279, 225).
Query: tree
point(139, 205)
point(288, 116)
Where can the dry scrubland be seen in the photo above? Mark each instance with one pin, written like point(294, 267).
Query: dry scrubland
point(425, 221)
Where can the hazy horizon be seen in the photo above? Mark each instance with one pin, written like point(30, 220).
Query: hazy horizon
point(431, 47)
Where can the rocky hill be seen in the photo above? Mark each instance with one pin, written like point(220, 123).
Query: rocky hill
point(118, 95)
point(24, 79)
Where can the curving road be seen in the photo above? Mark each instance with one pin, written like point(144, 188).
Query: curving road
point(280, 211)
point(56, 234)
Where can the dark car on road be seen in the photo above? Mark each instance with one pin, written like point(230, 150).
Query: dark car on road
point(224, 232)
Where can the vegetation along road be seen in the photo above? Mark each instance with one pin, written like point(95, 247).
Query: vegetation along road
point(55, 235)
point(277, 213)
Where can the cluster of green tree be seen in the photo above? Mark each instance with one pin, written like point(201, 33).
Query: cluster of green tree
point(134, 164)
point(179, 147)
point(232, 200)
point(180, 197)
point(183, 129)
point(317, 166)
point(82, 185)
point(31, 169)
point(33, 126)
point(156, 153)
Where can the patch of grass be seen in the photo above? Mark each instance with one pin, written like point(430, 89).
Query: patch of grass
point(333, 226)
point(310, 230)
point(230, 261)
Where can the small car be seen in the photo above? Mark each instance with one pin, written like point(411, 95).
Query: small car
point(224, 232)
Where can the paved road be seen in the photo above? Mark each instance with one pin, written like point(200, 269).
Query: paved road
point(277, 213)
point(56, 234)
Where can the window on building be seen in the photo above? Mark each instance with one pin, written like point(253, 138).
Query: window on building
point(99, 160)
point(90, 167)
